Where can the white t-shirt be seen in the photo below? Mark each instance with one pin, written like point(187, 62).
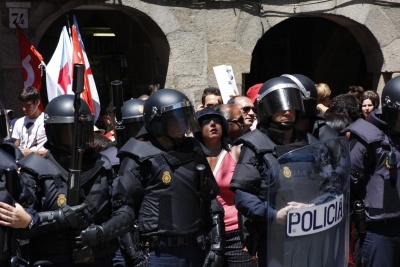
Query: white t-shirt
point(30, 132)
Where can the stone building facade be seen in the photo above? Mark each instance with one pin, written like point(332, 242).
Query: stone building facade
point(178, 42)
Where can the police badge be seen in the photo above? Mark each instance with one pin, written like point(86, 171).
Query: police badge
point(287, 172)
point(166, 178)
point(61, 199)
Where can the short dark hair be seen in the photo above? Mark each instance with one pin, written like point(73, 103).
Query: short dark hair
point(29, 93)
point(348, 104)
point(337, 121)
point(209, 91)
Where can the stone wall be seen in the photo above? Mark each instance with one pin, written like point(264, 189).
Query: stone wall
point(205, 34)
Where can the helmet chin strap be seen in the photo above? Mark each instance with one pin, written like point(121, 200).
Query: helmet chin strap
point(277, 130)
point(282, 126)
point(175, 141)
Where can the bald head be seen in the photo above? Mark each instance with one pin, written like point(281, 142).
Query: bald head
point(234, 116)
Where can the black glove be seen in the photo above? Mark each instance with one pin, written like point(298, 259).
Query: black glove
point(81, 253)
point(93, 235)
point(76, 217)
point(131, 250)
point(139, 259)
point(214, 259)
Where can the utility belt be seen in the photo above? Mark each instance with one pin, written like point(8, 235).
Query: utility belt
point(155, 242)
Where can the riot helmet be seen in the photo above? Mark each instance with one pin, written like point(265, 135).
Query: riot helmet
point(309, 92)
point(278, 94)
point(59, 121)
point(4, 124)
point(391, 101)
point(132, 117)
point(169, 112)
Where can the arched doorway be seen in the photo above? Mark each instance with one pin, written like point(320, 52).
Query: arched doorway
point(123, 44)
point(334, 51)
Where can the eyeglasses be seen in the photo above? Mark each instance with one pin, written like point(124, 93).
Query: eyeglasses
point(207, 121)
point(247, 109)
point(239, 120)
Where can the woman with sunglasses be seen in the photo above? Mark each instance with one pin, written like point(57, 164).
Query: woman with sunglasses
point(214, 139)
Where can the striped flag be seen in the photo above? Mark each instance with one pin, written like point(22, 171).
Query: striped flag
point(79, 55)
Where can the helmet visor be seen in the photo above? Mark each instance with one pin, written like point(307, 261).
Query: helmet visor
point(283, 99)
point(61, 135)
point(132, 129)
point(180, 121)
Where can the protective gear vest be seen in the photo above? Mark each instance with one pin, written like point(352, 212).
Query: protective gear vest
point(174, 194)
point(7, 163)
point(262, 146)
point(379, 184)
point(45, 185)
point(263, 158)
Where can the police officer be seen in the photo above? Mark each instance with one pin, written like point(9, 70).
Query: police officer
point(279, 106)
point(8, 175)
point(132, 122)
point(166, 182)
point(50, 224)
point(310, 121)
point(374, 179)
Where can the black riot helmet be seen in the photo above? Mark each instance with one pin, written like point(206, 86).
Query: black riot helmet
point(59, 121)
point(132, 117)
point(309, 92)
point(391, 101)
point(4, 124)
point(169, 109)
point(278, 94)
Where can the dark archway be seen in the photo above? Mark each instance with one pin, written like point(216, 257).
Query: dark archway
point(319, 48)
point(138, 54)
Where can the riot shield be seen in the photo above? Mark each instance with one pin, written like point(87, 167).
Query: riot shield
point(317, 233)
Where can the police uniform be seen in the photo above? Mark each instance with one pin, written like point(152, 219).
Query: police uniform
point(54, 232)
point(251, 179)
point(374, 180)
point(170, 192)
point(7, 167)
point(173, 199)
point(44, 188)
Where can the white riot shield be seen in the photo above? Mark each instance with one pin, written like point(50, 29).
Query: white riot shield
point(318, 233)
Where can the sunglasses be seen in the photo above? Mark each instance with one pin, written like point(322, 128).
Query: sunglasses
point(207, 121)
point(247, 109)
point(238, 120)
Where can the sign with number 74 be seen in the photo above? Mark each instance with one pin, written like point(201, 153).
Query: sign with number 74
point(19, 16)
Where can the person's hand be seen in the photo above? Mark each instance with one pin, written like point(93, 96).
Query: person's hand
point(76, 217)
point(299, 205)
point(93, 235)
point(282, 214)
point(26, 151)
point(214, 259)
point(15, 217)
point(81, 253)
point(139, 259)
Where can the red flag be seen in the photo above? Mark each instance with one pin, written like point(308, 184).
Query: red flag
point(32, 62)
point(89, 93)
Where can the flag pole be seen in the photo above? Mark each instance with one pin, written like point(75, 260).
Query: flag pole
point(68, 26)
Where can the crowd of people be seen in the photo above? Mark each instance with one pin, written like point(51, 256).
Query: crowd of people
point(162, 183)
